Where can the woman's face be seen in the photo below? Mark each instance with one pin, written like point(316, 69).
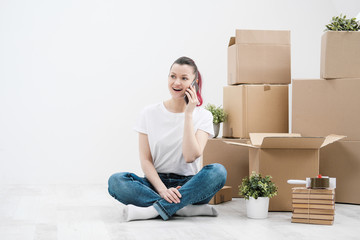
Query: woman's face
point(180, 78)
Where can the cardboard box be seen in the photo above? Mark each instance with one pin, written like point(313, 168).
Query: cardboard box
point(255, 108)
point(234, 159)
point(342, 161)
point(340, 55)
point(259, 56)
point(284, 157)
point(321, 107)
point(224, 195)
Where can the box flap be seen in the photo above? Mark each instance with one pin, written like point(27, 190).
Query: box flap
point(287, 140)
point(263, 36)
point(232, 41)
point(240, 144)
point(257, 138)
point(293, 142)
point(332, 138)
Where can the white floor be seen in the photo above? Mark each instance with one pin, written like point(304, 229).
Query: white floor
point(88, 212)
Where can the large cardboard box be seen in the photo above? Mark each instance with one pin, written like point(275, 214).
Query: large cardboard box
point(234, 159)
point(255, 108)
point(340, 55)
point(342, 161)
point(284, 157)
point(321, 107)
point(223, 195)
point(259, 56)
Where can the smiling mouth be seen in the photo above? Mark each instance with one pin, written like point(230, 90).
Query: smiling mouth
point(178, 90)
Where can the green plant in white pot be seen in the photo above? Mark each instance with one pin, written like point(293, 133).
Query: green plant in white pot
point(219, 116)
point(257, 191)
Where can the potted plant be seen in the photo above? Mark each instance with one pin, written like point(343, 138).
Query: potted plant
point(340, 49)
point(341, 23)
point(257, 191)
point(219, 116)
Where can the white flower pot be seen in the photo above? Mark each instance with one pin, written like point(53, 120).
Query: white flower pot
point(216, 129)
point(257, 208)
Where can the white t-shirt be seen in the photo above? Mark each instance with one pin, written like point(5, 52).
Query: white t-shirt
point(165, 133)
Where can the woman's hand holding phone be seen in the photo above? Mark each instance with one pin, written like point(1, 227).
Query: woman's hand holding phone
point(192, 97)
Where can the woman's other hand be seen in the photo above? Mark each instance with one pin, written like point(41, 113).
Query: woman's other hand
point(172, 195)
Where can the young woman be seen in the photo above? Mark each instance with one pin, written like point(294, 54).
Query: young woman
point(172, 137)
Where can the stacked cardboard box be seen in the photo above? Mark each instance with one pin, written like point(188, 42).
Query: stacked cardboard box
point(256, 98)
point(314, 206)
point(234, 159)
point(324, 106)
point(255, 109)
point(342, 160)
point(328, 106)
point(340, 55)
point(259, 56)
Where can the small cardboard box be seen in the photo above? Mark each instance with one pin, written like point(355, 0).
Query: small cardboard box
point(340, 55)
point(256, 109)
point(259, 56)
point(235, 159)
point(284, 157)
point(223, 195)
point(342, 161)
point(321, 107)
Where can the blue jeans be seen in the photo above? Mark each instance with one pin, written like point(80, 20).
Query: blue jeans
point(128, 188)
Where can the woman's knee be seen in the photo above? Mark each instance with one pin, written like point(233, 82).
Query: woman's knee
point(115, 181)
point(218, 172)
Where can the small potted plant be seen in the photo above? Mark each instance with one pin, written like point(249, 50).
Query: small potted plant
point(341, 23)
point(257, 191)
point(219, 116)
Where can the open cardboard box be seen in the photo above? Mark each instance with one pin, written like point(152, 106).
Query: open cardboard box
point(285, 156)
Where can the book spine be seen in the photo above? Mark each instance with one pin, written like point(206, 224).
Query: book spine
point(314, 206)
point(313, 196)
point(312, 221)
point(313, 216)
point(312, 201)
point(314, 211)
point(313, 191)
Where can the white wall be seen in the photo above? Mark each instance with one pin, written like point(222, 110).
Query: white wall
point(75, 74)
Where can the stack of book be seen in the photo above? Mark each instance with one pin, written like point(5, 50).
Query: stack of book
point(315, 206)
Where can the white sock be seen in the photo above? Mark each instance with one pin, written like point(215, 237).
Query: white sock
point(140, 213)
point(197, 210)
